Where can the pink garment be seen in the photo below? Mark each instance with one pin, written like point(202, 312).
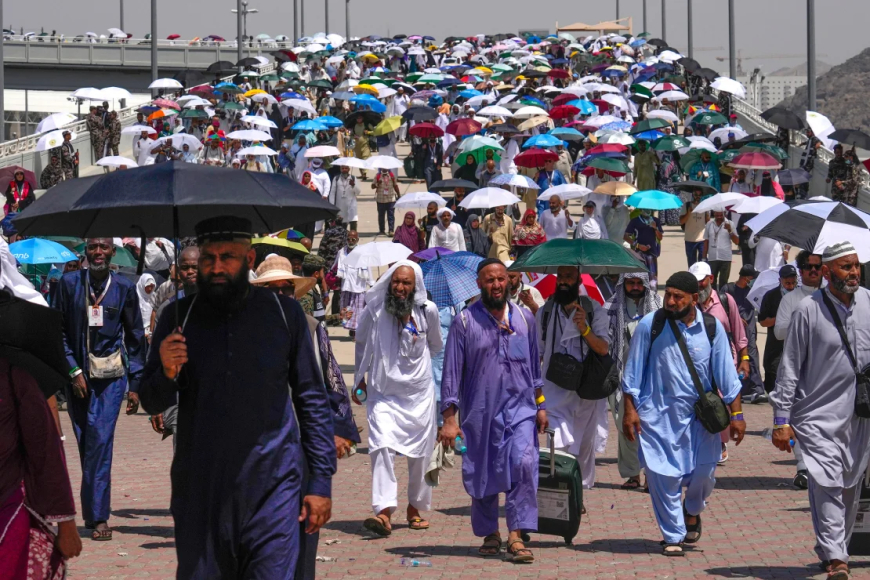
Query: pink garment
point(733, 324)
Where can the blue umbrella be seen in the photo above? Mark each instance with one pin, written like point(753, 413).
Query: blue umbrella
point(644, 76)
point(560, 61)
point(586, 107)
point(567, 133)
point(535, 101)
point(291, 95)
point(330, 121)
point(451, 279)
point(637, 42)
point(469, 93)
point(544, 140)
point(39, 251)
point(616, 126)
point(612, 73)
point(363, 99)
point(448, 82)
point(309, 125)
point(654, 199)
point(649, 135)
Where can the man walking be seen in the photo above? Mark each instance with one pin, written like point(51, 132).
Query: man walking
point(753, 389)
point(492, 375)
point(694, 224)
point(557, 221)
point(399, 332)
point(661, 390)
point(343, 194)
point(767, 319)
point(815, 401)
point(718, 236)
point(102, 328)
point(386, 188)
point(236, 493)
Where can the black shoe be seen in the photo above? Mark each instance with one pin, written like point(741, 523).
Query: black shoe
point(382, 233)
point(759, 398)
point(800, 479)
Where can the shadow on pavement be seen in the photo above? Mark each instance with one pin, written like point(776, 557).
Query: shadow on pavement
point(751, 482)
point(155, 531)
point(144, 512)
point(764, 572)
point(429, 551)
point(157, 545)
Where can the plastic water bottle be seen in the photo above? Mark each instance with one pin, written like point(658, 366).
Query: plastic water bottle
point(741, 375)
point(768, 434)
point(409, 563)
point(460, 445)
point(361, 394)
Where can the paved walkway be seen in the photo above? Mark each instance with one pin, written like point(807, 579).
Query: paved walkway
point(757, 525)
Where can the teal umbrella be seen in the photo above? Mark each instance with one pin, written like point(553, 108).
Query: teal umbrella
point(649, 125)
point(608, 164)
point(593, 257)
point(671, 143)
point(709, 118)
point(654, 199)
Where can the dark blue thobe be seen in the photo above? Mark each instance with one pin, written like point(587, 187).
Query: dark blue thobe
point(95, 416)
point(237, 472)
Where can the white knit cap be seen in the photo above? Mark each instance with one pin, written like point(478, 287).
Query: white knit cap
point(838, 250)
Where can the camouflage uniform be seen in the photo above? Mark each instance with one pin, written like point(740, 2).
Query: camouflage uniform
point(51, 175)
point(114, 134)
point(844, 170)
point(67, 160)
point(98, 134)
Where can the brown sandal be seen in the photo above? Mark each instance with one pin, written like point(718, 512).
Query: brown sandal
point(520, 555)
point(101, 535)
point(418, 523)
point(491, 546)
point(378, 525)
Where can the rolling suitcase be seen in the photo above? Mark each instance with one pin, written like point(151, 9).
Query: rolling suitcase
point(859, 545)
point(560, 492)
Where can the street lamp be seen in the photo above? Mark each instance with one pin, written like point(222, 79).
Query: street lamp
point(346, 19)
point(811, 55)
point(689, 16)
point(244, 11)
point(664, 20)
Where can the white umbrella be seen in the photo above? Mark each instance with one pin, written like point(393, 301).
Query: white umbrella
point(488, 197)
point(261, 97)
point(822, 127)
point(700, 143)
point(137, 129)
point(258, 150)
point(259, 121)
point(663, 114)
point(350, 162)
point(764, 282)
point(51, 140)
point(673, 96)
point(386, 92)
point(614, 137)
point(757, 204)
point(166, 84)
point(290, 66)
point(420, 199)
point(55, 121)
point(89, 94)
point(565, 192)
point(616, 101)
point(514, 180)
point(729, 86)
point(529, 112)
point(192, 101)
point(323, 151)
point(383, 162)
point(722, 133)
point(576, 91)
point(670, 56)
point(608, 89)
point(601, 120)
point(376, 254)
point(494, 111)
point(117, 161)
point(181, 139)
point(300, 105)
point(250, 135)
point(719, 202)
point(480, 100)
point(115, 93)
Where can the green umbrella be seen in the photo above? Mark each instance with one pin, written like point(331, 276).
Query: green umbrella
point(650, 125)
point(289, 74)
point(643, 35)
point(478, 147)
point(69, 242)
point(693, 156)
point(501, 68)
point(431, 78)
point(321, 84)
point(670, 143)
point(230, 105)
point(608, 164)
point(773, 150)
point(193, 114)
point(413, 77)
point(270, 78)
point(591, 256)
point(122, 257)
point(709, 118)
point(728, 155)
point(642, 90)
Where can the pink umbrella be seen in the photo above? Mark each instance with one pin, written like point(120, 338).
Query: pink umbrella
point(166, 104)
point(755, 160)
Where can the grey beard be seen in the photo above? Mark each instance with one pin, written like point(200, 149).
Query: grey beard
point(704, 295)
point(399, 307)
point(99, 267)
point(841, 286)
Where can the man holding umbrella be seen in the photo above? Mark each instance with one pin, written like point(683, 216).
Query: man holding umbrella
point(843, 174)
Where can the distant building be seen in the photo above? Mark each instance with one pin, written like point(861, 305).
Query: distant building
point(771, 90)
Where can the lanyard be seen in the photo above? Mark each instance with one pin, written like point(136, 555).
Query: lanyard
point(96, 300)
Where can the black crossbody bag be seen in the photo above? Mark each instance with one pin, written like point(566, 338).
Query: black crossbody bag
point(862, 376)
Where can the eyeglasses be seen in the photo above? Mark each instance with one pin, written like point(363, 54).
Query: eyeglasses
point(283, 290)
point(811, 267)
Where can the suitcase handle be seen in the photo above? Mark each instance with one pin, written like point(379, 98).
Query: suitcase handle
point(551, 439)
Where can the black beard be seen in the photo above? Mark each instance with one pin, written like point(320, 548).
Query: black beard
point(565, 295)
point(635, 294)
point(398, 306)
point(226, 297)
point(492, 303)
point(679, 314)
point(840, 285)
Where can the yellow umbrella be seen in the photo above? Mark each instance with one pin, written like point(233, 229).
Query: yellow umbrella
point(521, 78)
point(484, 70)
point(617, 67)
point(542, 68)
point(367, 89)
point(388, 125)
point(534, 122)
point(253, 92)
point(280, 243)
point(371, 57)
point(619, 188)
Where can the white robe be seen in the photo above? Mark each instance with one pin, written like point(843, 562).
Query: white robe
point(344, 197)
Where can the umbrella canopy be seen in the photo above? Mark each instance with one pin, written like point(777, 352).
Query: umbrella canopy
point(369, 117)
point(784, 118)
point(350, 162)
point(671, 143)
point(39, 251)
point(488, 197)
point(221, 66)
point(118, 161)
point(709, 118)
point(451, 279)
point(852, 137)
point(590, 256)
point(792, 177)
point(383, 162)
point(420, 199)
point(814, 226)
point(535, 157)
point(619, 188)
point(543, 140)
point(650, 125)
point(720, 201)
point(7, 174)
point(51, 140)
point(323, 151)
point(729, 86)
point(462, 127)
point(689, 185)
point(514, 180)
point(249, 135)
point(165, 84)
point(432, 253)
point(55, 121)
point(420, 113)
point(608, 164)
point(154, 197)
point(376, 254)
point(388, 125)
point(424, 130)
point(756, 204)
point(451, 184)
point(655, 200)
point(755, 160)
point(565, 192)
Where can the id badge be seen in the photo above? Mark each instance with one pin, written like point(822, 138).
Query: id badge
point(95, 316)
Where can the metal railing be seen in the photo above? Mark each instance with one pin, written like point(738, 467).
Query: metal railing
point(176, 42)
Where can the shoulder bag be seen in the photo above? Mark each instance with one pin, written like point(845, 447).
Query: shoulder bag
point(862, 376)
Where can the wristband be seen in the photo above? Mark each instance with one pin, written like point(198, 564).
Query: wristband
point(587, 331)
point(783, 426)
point(737, 416)
point(780, 422)
point(735, 413)
point(73, 371)
point(745, 357)
point(540, 400)
point(542, 407)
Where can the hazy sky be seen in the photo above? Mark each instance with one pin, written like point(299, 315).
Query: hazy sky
point(764, 28)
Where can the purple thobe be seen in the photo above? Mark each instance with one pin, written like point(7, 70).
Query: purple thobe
point(491, 376)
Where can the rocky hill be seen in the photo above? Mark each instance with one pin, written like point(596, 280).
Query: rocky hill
point(800, 70)
point(841, 94)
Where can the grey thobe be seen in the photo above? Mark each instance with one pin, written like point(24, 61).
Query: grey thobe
point(815, 394)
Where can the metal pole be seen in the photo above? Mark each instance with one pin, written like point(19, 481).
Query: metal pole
point(644, 16)
point(664, 20)
point(154, 43)
point(2, 81)
point(346, 19)
point(811, 55)
point(122, 15)
point(239, 31)
point(732, 45)
point(25, 133)
point(295, 21)
point(690, 28)
point(617, 9)
point(326, 8)
point(302, 17)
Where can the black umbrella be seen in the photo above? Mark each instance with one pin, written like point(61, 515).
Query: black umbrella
point(751, 138)
point(419, 113)
point(221, 66)
point(784, 118)
point(503, 128)
point(852, 137)
point(658, 42)
point(690, 64)
point(793, 177)
point(169, 199)
point(706, 73)
point(248, 61)
point(533, 74)
point(190, 78)
point(369, 118)
point(451, 184)
point(400, 36)
point(705, 188)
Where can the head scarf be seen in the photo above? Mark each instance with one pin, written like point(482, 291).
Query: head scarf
point(408, 235)
point(479, 241)
point(529, 235)
point(145, 298)
point(619, 316)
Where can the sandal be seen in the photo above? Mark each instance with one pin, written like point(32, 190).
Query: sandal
point(841, 572)
point(491, 546)
point(101, 535)
point(693, 531)
point(631, 484)
point(378, 525)
point(418, 523)
point(520, 555)
point(672, 550)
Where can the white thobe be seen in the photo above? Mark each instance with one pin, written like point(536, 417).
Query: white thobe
point(451, 237)
point(768, 253)
point(590, 228)
point(343, 195)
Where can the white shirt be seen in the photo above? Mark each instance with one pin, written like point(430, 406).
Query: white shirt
point(452, 238)
point(534, 292)
point(768, 253)
point(142, 150)
point(321, 180)
point(590, 228)
point(718, 241)
point(744, 187)
point(555, 225)
point(352, 279)
point(155, 259)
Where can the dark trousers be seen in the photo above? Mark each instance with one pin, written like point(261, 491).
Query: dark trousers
point(752, 384)
point(388, 210)
point(747, 253)
point(721, 271)
point(694, 251)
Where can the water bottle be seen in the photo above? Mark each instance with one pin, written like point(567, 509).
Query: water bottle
point(361, 394)
point(768, 434)
point(741, 375)
point(460, 445)
point(408, 562)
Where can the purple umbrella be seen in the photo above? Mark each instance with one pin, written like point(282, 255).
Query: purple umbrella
point(432, 253)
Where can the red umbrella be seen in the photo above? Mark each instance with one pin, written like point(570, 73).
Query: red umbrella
point(426, 130)
point(755, 160)
point(462, 127)
point(546, 285)
point(563, 99)
point(167, 104)
point(564, 112)
point(603, 106)
point(535, 157)
point(173, 36)
point(607, 148)
point(558, 73)
point(7, 174)
point(591, 171)
point(203, 90)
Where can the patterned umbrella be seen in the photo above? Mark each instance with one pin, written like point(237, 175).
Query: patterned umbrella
point(451, 279)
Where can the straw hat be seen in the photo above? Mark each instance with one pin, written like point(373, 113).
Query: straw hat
point(275, 268)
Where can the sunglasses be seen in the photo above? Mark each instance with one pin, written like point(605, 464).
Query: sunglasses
point(283, 290)
point(811, 267)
